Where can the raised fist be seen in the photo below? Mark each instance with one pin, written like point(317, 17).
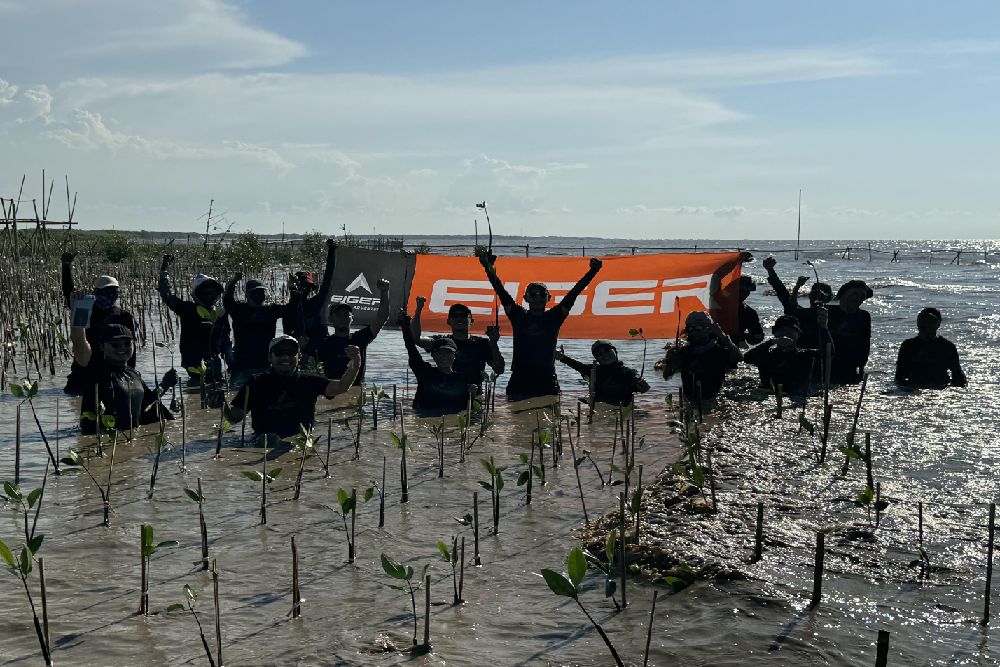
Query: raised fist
point(353, 353)
point(421, 302)
point(383, 285)
point(167, 261)
point(769, 263)
point(493, 333)
point(68, 257)
point(595, 264)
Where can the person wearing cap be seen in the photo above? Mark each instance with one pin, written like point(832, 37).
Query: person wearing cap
point(850, 333)
point(283, 399)
point(615, 383)
point(750, 331)
point(104, 370)
point(535, 331)
point(441, 390)
point(780, 361)
point(474, 352)
point(331, 351)
point(105, 311)
point(204, 339)
point(928, 361)
point(254, 325)
point(307, 302)
point(819, 295)
point(703, 360)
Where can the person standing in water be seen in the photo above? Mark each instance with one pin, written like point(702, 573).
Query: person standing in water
point(473, 352)
point(105, 311)
point(254, 325)
point(850, 333)
point(928, 361)
point(703, 361)
point(441, 388)
point(305, 319)
point(535, 330)
point(780, 361)
point(819, 295)
point(332, 350)
point(615, 383)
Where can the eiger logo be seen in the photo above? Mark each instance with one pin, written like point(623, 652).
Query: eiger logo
point(359, 282)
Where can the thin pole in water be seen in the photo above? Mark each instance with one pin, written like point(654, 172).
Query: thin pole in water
point(989, 563)
point(882, 649)
point(818, 571)
point(798, 233)
point(758, 548)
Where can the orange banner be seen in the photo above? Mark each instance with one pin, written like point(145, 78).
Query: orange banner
point(645, 292)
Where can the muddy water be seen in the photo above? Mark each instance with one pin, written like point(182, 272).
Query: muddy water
point(939, 448)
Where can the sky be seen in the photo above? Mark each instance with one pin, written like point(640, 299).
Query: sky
point(653, 119)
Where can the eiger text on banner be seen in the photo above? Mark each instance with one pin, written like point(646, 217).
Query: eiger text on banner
point(355, 278)
point(630, 292)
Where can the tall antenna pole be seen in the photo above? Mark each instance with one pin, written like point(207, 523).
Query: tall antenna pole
point(798, 233)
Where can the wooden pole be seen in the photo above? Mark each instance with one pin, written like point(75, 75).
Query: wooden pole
point(296, 598)
point(202, 529)
point(649, 630)
point(427, 611)
point(758, 547)
point(381, 498)
point(475, 526)
point(218, 614)
point(989, 563)
point(461, 569)
point(818, 571)
point(17, 447)
point(329, 441)
point(621, 540)
point(45, 610)
point(882, 649)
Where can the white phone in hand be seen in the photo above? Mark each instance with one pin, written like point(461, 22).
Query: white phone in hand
point(83, 308)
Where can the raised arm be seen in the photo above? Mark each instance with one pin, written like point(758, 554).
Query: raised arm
point(496, 360)
point(489, 264)
point(82, 352)
point(326, 285)
point(417, 362)
point(580, 367)
point(779, 287)
point(346, 381)
point(67, 278)
point(415, 327)
point(570, 298)
point(165, 288)
point(383, 307)
point(228, 297)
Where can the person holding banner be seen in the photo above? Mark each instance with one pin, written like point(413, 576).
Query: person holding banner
point(615, 383)
point(535, 331)
point(473, 352)
point(333, 350)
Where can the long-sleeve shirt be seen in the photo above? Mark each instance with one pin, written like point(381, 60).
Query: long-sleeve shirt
point(812, 336)
point(438, 393)
point(615, 383)
point(201, 339)
point(852, 341)
point(253, 328)
point(306, 315)
point(791, 368)
point(929, 363)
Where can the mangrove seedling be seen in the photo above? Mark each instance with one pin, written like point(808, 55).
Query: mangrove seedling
point(402, 441)
point(637, 333)
point(377, 393)
point(265, 478)
point(494, 486)
point(680, 577)
point(305, 444)
point(437, 430)
point(607, 566)
point(75, 460)
point(348, 505)
point(160, 443)
point(404, 573)
point(568, 585)
point(450, 556)
point(199, 497)
point(26, 391)
point(146, 551)
point(191, 598)
point(587, 457)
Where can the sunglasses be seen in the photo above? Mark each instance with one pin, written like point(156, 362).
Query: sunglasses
point(285, 352)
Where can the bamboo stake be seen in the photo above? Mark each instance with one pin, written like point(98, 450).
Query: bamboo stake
point(296, 598)
point(621, 540)
point(817, 594)
point(475, 526)
point(989, 564)
point(218, 612)
point(202, 529)
point(381, 498)
point(427, 611)
point(882, 649)
point(649, 630)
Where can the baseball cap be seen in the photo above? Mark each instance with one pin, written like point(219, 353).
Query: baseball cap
point(254, 284)
point(443, 342)
point(104, 282)
point(201, 280)
point(459, 310)
point(855, 284)
point(787, 322)
point(116, 332)
point(598, 344)
point(283, 338)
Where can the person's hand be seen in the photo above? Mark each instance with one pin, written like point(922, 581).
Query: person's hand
point(383, 285)
point(487, 259)
point(715, 331)
point(493, 333)
point(746, 256)
point(68, 257)
point(560, 353)
point(403, 318)
point(167, 261)
point(801, 280)
point(769, 263)
point(595, 264)
point(822, 317)
point(421, 302)
point(353, 353)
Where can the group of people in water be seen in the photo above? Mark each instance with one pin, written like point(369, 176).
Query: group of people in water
point(811, 347)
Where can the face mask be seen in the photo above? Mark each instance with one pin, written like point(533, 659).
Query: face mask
point(256, 296)
point(105, 298)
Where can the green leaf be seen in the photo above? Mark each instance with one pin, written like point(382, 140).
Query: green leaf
point(147, 539)
point(17, 390)
point(8, 557)
point(392, 568)
point(195, 370)
point(522, 479)
point(609, 546)
point(25, 564)
point(342, 497)
point(465, 520)
point(73, 459)
point(807, 425)
point(88, 415)
point(35, 543)
point(698, 476)
point(167, 543)
point(108, 421)
point(12, 491)
point(175, 607)
point(273, 474)
point(409, 572)
point(850, 452)
point(499, 483)
point(253, 475)
point(443, 548)
point(486, 485)
point(865, 497)
point(191, 594)
point(559, 584)
point(369, 493)
point(636, 501)
point(33, 389)
point(634, 332)
point(489, 466)
point(576, 566)
point(523, 457)
point(193, 495)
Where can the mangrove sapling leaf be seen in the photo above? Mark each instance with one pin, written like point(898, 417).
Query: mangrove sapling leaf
point(8, 556)
point(450, 556)
point(559, 584)
point(680, 577)
point(465, 520)
point(191, 598)
point(807, 425)
point(404, 573)
point(193, 495)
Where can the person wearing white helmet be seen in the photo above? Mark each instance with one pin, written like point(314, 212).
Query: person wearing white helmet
point(204, 325)
point(282, 400)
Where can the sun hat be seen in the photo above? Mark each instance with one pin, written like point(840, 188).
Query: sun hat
point(104, 282)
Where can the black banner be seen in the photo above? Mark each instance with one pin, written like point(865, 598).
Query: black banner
point(355, 280)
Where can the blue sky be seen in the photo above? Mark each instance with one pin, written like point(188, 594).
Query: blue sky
point(644, 120)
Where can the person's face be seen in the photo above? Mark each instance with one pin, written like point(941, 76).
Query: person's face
point(341, 318)
point(444, 358)
point(605, 356)
point(852, 299)
point(787, 337)
point(106, 296)
point(536, 298)
point(118, 351)
point(698, 332)
point(209, 294)
point(460, 322)
point(927, 325)
point(284, 359)
point(256, 296)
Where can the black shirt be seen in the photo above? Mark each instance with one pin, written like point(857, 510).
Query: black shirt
point(703, 363)
point(201, 339)
point(533, 368)
point(615, 383)
point(788, 367)
point(280, 403)
point(929, 363)
point(331, 353)
point(438, 393)
point(473, 355)
point(852, 341)
point(751, 332)
point(253, 329)
point(124, 395)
